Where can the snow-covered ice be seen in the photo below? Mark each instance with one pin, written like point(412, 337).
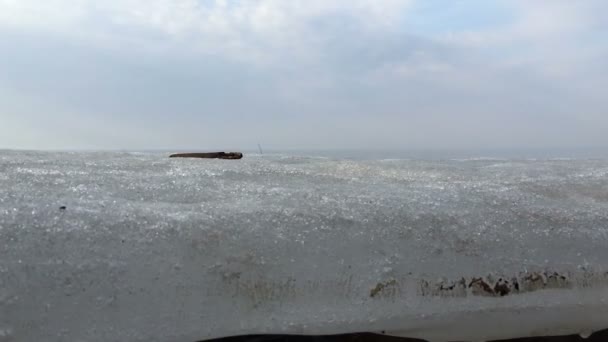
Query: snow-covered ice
point(155, 249)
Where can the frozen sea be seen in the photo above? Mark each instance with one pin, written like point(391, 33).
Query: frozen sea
point(117, 246)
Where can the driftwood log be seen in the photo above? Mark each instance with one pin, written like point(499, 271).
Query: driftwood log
point(209, 155)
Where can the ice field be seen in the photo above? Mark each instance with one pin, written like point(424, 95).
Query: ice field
point(140, 247)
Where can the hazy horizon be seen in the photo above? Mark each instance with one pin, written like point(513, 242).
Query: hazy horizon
point(357, 154)
point(303, 75)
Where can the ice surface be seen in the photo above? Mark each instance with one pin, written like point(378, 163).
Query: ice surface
point(156, 249)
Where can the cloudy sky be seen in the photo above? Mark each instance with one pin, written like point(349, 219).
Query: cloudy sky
point(304, 74)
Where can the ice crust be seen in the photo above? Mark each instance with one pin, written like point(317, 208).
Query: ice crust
point(156, 249)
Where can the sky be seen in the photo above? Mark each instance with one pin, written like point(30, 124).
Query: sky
point(303, 74)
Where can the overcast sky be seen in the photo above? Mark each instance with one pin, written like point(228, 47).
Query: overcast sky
point(306, 74)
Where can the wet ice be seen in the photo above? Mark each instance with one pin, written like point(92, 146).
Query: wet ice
point(159, 249)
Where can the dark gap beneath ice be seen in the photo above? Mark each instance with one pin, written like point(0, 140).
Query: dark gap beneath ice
point(601, 336)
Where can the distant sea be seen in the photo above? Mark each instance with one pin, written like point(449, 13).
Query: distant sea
point(419, 154)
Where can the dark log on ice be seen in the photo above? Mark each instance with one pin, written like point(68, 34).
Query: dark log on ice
point(209, 155)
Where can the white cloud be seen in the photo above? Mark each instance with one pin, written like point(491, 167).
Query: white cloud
point(558, 39)
point(538, 21)
point(235, 28)
point(290, 66)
